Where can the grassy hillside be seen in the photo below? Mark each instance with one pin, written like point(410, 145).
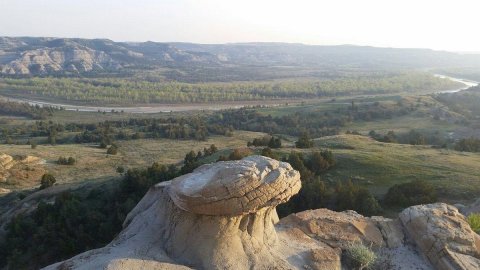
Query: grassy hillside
point(378, 166)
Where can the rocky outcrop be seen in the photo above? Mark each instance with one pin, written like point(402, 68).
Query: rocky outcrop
point(6, 163)
point(443, 236)
point(75, 59)
point(222, 216)
point(336, 229)
point(237, 188)
point(334, 232)
point(16, 168)
point(63, 56)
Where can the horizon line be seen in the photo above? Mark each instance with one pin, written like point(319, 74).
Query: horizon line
point(248, 42)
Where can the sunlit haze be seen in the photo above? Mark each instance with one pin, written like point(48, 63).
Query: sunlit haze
point(442, 24)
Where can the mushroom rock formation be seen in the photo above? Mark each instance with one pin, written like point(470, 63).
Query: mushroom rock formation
point(228, 213)
point(220, 216)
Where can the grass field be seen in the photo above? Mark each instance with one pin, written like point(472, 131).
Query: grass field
point(94, 164)
point(379, 165)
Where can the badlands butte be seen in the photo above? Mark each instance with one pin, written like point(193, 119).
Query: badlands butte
point(223, 216)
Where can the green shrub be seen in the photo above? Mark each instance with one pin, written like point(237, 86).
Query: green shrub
point(412, 193)
point(360, 257)
point(47, 181)
point(240, 153)
point(113, 150)
point(103, 145)
point(66, 161)
point(354, 197)
point(267, 152)
point(474, 221)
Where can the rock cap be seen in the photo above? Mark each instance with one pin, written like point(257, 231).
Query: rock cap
point(235, 187)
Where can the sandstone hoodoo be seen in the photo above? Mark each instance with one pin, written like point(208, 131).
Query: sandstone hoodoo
point(221, 216)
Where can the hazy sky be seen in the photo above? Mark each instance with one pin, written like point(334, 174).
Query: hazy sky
point(441, 24)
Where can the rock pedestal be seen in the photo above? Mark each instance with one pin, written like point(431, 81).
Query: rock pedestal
point(226, 213)
point(220, 216)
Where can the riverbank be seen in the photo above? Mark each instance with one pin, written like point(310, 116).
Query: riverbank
point(467, 83)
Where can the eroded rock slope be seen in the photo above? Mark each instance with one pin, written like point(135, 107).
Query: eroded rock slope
point(222, 216)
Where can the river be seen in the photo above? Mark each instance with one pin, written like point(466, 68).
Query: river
point(156, 108)
point(467, 83)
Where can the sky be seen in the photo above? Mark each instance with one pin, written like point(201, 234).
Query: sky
point(442, 24)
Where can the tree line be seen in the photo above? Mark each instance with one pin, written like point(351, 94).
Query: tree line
point(25, 110)
point(132, 90)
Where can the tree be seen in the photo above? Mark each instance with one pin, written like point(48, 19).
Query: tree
point(391, 137)
point(275, 143)
point(297, 161)
point(213, 149)
point(304, 141)
point(267, 152)
point(47, 181)
point(189, 162)
point(321, 161)
point(411, 193)
point(350, 196)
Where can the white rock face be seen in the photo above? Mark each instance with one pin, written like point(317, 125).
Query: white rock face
point(236, 188)
point(443, 236)
point(45, 60)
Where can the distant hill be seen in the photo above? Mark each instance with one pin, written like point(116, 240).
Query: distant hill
point(73, 56)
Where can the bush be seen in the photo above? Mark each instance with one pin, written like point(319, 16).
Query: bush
point(360, 257)
point(240, 153)
point(412, 193)
point(275, 143)
point(474, 221)
point(112, 150)
point(66, 161)
point(103, 145)
point(350, 196)
point(210, 151)
point(267, 152)
point(120, 170)
point(47, 181)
